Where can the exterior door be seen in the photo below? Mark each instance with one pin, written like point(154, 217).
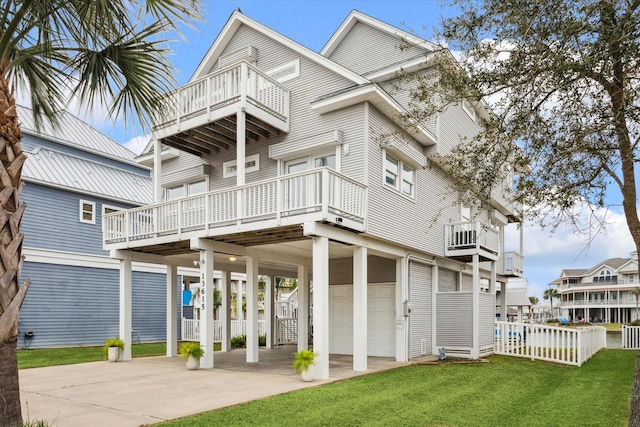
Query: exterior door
point(305, 191)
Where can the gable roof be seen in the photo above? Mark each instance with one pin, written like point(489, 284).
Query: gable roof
point(611, 263)
point(357, 16)
point(237, 19)
point(75, 133)
point(72, 173)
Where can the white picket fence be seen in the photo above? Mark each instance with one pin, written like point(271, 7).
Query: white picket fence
point(630, 337)
point(191, 329)
point(554, 344)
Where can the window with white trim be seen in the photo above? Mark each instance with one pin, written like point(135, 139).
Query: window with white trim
point(468, 108)
point(106, 209)
point(288, 71)
point(186, 189)
point(399, 175)
point(87, 212)
point(230, 168)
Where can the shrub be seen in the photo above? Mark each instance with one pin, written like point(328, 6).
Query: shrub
point(239, 341)
point(112, 342)
point(262, 340)
point(635, 323)
point(191, 349)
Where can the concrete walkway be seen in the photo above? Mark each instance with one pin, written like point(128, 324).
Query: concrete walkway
point(153, 389)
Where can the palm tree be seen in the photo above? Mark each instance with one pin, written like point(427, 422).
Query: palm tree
point(550, 294)
point(101, 52)
point(636, 293)
point(534, 300)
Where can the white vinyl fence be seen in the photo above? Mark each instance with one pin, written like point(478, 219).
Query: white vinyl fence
point(630, 337)
point(550, 343)
point(191, 329)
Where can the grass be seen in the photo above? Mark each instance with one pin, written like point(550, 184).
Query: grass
point(37, 358)
point(507, 391)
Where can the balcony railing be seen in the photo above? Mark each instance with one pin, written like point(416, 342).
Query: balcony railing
point(322, 191)
point(513, 264)
point(222, 88)
point(471, 235)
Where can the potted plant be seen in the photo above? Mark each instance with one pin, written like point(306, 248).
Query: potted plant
point(112, 347)
point(192, 351)
point(304, 364)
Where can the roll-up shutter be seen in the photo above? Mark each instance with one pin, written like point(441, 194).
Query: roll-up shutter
point(420, 342)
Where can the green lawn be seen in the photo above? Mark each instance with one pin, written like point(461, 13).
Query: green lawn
point(37, 358)
point(506, 392)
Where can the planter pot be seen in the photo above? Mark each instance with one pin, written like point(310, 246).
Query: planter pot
point(192, 363)
point(309, 374)
point(114, 354)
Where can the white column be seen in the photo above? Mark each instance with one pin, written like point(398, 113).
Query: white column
point(475, 310)
point(492, 279)
point(125, 307)
point(225, 313)
point(172, 318)
point(321, 306)
point(303, 307)
point(434, 309)
point(206, 308)
point(402, 322)
point(157, 171)
point(360, 308)
point(268, 310)
point(241, 117)
point(503, 301)
point(239, 299)
point(519, 318)
point(252, 309)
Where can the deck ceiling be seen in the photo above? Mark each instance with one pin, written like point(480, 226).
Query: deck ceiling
point(251, 238)
point(219, 135)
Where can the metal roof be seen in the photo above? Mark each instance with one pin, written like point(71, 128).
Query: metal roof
point(74, 132)
point(77, 174)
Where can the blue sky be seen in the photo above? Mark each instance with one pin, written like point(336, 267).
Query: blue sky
point(312, 23)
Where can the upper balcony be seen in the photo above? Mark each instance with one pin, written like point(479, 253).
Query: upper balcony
point(465, 239)
point(200, 117)
point(513, 264)
point(253, 213)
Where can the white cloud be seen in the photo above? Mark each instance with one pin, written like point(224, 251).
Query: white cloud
point(137, 143)
point(546, 254)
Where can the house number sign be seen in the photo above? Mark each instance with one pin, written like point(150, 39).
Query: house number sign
point(202, 291)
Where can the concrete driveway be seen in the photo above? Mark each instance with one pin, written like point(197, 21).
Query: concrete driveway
point(153, 389)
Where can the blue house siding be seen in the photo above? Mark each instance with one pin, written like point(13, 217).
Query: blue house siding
point(66, 233)
point(78, 306)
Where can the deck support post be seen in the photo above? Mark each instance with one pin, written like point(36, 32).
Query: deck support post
point(172, 318)
point(252, 309)
point(402, 322)
point(268, 311)
point(360, 308)
point(125, 307)
point(206, 307)
point(225, 313)
point(321, 306)
point(475, 308)
point(303, 307)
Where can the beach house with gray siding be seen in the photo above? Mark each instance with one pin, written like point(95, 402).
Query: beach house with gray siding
point(277, 160)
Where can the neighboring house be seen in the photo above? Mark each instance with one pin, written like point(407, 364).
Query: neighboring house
point(518, 304)
point(73, 175)
point(280, 161)
point(601, 293)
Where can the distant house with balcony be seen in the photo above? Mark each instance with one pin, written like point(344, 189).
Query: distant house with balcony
point(276, 160)
point(600, 293)
point(73, 175)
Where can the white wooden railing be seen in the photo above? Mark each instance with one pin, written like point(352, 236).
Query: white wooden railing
point(319, 190)
point(222, 88)
point(191, 329)
point(286, 330)
point(631, 337)
point(513, 263)
point(550, 343)
point(471, 235)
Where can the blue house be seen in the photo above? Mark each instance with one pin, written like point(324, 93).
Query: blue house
point(74, 174)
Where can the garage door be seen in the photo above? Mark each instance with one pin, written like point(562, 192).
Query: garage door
point(381, 333)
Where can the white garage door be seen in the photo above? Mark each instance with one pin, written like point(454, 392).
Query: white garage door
point(381, 333)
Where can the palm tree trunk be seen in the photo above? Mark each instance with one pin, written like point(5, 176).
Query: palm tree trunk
point(11, 293)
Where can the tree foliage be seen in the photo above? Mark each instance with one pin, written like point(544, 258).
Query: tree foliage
point(100, 52)
point(557, 81)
